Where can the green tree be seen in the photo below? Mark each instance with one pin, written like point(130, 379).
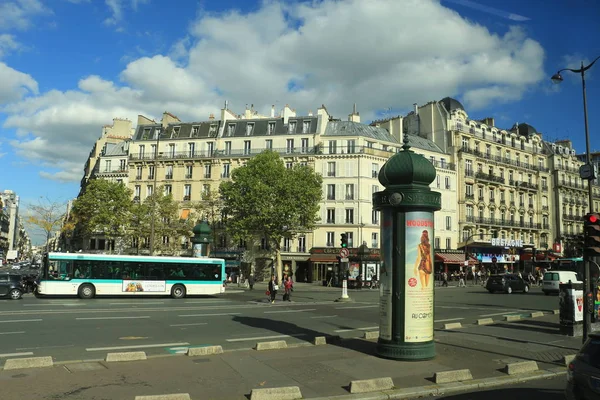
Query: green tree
point(46, 215)
point(267, 200)
point(139, 224)
point(104, 207)
point(169, 228)
point(210, 209)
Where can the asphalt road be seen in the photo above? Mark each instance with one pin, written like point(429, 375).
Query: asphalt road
point(547, 389)
point(74, 329)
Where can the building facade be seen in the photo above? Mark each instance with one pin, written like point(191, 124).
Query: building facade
point(9, 223)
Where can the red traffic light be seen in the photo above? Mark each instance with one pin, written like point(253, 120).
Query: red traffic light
point(593, 219)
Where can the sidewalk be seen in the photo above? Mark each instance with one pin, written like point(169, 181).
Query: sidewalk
point(319, 371)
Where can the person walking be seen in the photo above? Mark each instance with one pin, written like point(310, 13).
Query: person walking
point(251, 281)
point(461, 279)
point(444, 279)
point(273, 288)
point(288, 287)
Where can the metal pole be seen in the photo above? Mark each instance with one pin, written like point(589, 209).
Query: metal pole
point(154, 194)
point(587, 316)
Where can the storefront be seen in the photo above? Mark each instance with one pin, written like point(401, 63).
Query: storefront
point(325, 267)
point(497, 255)
point(450, 261)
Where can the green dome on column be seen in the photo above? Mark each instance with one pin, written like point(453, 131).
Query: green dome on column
point(407, 168)
point(202, 233)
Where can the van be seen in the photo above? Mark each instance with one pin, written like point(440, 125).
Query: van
point(554, 278)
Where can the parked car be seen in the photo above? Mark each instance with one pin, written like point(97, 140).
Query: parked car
point(583, 373)
point(554, 278)
point(507, 283)
point(11, 286)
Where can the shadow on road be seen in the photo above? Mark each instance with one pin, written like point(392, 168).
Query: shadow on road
point(512, 393)
point(287, 328)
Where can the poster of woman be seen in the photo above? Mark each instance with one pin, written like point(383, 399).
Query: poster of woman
point(419, 282)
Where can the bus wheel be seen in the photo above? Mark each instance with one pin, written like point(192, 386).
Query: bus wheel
point(86, 292)
point(178, 292)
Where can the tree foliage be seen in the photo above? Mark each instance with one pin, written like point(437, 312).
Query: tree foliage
point(267, 200)
point(46, 215)
point(210, 209)
point(104, 207)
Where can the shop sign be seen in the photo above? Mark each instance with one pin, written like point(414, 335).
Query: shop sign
point(507, 242)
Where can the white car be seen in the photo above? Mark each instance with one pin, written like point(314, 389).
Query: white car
point(16, 266)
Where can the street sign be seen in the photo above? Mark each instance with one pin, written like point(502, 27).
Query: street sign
point(343, 259)
point(344, 253)
point(586, 171)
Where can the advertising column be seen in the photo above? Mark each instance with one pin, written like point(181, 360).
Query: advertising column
point(385, 276)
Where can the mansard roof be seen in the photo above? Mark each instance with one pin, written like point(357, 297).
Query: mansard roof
point(116, 149)
point(260, 127)
point(349, 128)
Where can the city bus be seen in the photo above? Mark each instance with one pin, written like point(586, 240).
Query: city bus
point(90, 275)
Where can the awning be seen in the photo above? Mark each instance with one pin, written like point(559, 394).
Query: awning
point(453, 258)
point(185, 213)
point(324, 258)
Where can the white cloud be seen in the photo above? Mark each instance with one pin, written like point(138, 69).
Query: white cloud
point(332, 52)
point(18, 13)
point(116, 8)
point(15, 85)
point(8, 44)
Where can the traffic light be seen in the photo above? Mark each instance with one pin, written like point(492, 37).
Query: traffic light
point(591, 224)
point(344, 240)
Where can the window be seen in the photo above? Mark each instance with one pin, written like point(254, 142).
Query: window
point(187, 192)
point(331, 215)
point(207, 170)
point(349, 215)
point(172, 150)
point(330, 192)
point(332, 147)
point(331, 168)
point(480, 193)
point(469, 167)
point(375, 217)
point(205, 189)
point(212, 131)
point(287, 244)
point(465, 143)
point(149, 190)
point(351, 147)
point(189, 169)
point(247, 149)
point(227, 148)
point(146, 134)
point(469, 189)
point(195, 131)
point(168, 190)
point(153, 150)
point(374, 240)
point(191, 149)
point(210, 148)
point(306, 127)
point(301, 244)
point(151, 172)
point(138, 173)
point(292, 127)
point(271, 128)
point(448, 223)
point(469, 210)
point(447, 182)
point(289, 146)
point(249, 129)
point(448, 243)
point(122, 165)
point(374, 170)
point(169, 172)
point(226, 170)
point(350, 239)
point(230, 129)
point(175, 133)
point(289, 164)
point(442, 162)
point(330, 239)
point(269, 144)
point(349, 191)
point(304, 145)
point(136, 192)
point(374, 189)
point(436, 243)
point(107, 166)
point(438, 180)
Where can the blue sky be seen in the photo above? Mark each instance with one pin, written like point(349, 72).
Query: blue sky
point(67, 67)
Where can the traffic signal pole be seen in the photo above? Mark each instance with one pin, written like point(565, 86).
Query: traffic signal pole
point(591, 249)
point(344, 253)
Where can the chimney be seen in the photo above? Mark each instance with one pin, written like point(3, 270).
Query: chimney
point(211, 116)
point(416, 109)
point(310, 114)
point(273, 111)
point(354, 117)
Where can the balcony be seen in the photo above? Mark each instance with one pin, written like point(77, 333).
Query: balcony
point(489, 178)
point(469, 173)
point(349, 197)
point(374, 174)
point(186, 198)
point(188, 176)
point(169, 176)
point(138, 177)
point(546, 226)
point(331, 197)
point(301, 249)
point(331, 220)
point(545, 208)
point(349, 220)
point(207, 176)
point(470, 197)
point(330, 173)
point(286, 249)
point(150, 176)
point(543, 245)
point(571, 217)
point(329, 244)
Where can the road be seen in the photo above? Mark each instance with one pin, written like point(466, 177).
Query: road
point(74, 329)
point(547, 389)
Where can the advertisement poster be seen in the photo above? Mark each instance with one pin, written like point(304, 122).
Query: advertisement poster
point(578, 303)
point(597, 305)
point(353, 271)
point(197, 249)
point(371, 272)
point(385, 276)
point(144, 286)
point(419, 279)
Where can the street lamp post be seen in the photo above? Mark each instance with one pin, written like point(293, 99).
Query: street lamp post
point(586, 173)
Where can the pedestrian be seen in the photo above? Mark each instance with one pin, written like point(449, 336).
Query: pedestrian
point(359, 281)
point(273, 288)
point(461, 279)
point(444, 279)
point(288, 286)
point(251, 281)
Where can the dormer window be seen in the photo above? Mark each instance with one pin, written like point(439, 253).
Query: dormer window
point(212, 131)
point(249, 129)
point(306, 127)
point(175, 133)
point(271, 128)
point(195, 131)
point(146, 134)
point(292, 127)
point(230, 129)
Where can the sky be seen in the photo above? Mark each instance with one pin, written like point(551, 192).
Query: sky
point(68, 67)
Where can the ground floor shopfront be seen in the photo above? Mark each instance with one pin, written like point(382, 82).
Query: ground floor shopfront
point(325, 269)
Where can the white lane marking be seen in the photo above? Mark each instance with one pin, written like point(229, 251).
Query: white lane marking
point(289, 311)
point(11, 333)
point(501, 313)
point(357, 329)
point(461, 308)
point(209, 315)
point(29, 353)
point(133, 303)
point(265, 337)
point(234, 291)
point(20, 320)
point(45, 347)
point(139, 346)
point(448, 320)
point(325, 316)
point(199, 323)
point(96, 318)
point(54, 304)
point(347, 308)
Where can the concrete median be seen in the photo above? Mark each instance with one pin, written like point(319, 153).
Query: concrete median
point(536, 314)
point(511, 318)
point(282, 393)
point(568, 358)
point(204, 351)
point(126, 356)
point(453, 325)
point(457, 375)
point(371, 385)
point(274, 345)
point(176, 396)
point(485, 321)
point(371, 335)
point(30, 362)
point(521, 367)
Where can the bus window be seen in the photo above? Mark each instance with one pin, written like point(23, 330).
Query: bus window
point(64, 269)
